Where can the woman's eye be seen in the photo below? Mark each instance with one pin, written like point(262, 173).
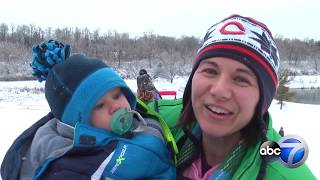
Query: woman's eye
point(210, 71)
point(243, 81)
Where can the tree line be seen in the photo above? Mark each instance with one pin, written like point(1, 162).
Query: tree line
point(164, 56)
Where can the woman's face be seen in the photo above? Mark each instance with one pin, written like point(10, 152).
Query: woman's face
point(224, 96)
point(106, 106)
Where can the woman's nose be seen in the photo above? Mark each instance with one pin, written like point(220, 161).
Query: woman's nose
point(221, 88)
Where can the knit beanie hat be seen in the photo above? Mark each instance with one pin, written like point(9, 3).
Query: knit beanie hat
point(74, 85)
point(248, 41)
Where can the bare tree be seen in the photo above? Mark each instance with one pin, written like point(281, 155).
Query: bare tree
point(3, 32)
point(120, 43)
point(166, 56)
point(187, 46)
point(149, 46)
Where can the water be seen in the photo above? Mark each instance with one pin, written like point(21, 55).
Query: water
point(307, 96)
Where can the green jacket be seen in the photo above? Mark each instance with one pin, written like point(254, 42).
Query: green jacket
point(249, 168)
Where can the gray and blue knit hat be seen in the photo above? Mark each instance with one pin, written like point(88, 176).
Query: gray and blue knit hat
point(75, 84)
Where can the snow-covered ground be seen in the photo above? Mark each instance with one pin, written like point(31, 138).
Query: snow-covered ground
point(21, 104)
point(305, 82)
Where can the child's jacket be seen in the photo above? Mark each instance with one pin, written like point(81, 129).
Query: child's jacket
point(85, 152)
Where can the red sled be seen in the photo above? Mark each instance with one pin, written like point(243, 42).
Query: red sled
point(168, 93)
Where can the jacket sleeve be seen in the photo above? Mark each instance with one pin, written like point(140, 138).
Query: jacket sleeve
point(143, 156)
point(146, 149)
point(78, 163)
point(12, 161)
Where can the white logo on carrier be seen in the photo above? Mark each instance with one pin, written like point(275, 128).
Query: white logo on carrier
point(120, 159)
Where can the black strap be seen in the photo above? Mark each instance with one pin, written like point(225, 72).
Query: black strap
point(190, 148)
point(156, 105)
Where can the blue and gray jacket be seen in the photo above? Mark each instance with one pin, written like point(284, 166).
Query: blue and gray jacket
point(86, 152)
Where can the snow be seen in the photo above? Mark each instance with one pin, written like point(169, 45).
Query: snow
point(23, 102)
point(305, 82)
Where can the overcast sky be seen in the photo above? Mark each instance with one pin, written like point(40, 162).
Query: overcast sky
point(289, 18)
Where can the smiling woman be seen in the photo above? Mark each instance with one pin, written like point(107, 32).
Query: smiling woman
point(224, 95)
point(225, 118)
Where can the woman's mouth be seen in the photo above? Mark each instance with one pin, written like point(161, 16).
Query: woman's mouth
point(218, 112)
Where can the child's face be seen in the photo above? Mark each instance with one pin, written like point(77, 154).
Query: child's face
point(106, 106)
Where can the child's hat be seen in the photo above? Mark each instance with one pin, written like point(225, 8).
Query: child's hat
point(74, 84)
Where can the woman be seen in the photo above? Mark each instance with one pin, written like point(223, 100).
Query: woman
point(225, 106)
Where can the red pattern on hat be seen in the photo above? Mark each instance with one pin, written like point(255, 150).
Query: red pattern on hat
point(245, 51)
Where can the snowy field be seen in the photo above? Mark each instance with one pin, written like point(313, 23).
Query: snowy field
point(21, 104)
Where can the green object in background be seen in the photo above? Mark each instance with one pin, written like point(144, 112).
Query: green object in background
point(122, 121)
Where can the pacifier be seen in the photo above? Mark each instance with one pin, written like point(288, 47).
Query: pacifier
point(122, 121)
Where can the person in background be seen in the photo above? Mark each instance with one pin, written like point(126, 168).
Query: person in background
point(95, 132)
point(146, 89)
point(224, 117)
point(281, 132)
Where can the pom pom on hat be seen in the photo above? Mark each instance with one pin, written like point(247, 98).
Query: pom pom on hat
point(46, 55)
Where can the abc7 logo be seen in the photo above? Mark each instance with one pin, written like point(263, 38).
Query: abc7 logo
point(292, 151)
